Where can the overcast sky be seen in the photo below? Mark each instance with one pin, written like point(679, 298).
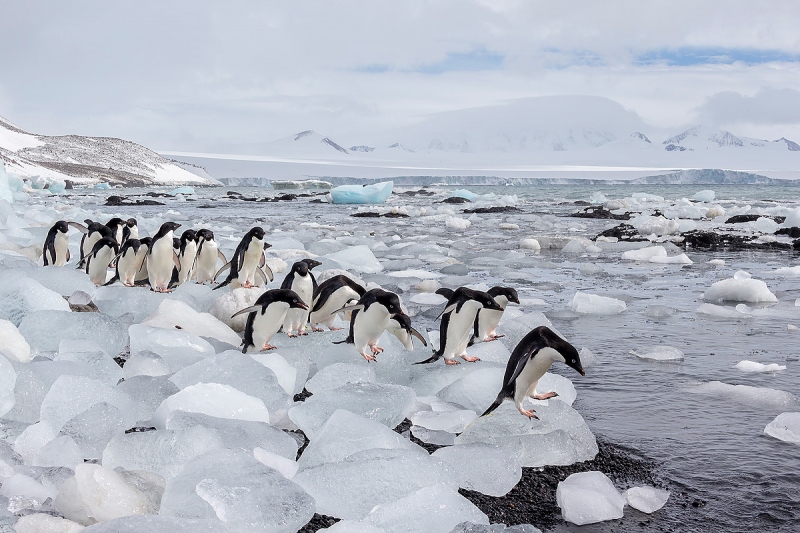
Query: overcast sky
point(203, 75)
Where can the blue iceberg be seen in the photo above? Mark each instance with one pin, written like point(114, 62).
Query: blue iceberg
point(464, 193)
point(102, 185)
point(357, 194)
point(181, 190)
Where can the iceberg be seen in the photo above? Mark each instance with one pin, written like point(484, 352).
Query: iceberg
point(182, 190)
point(785, 427)
point(646, 499)
point(376, 193)
point(358, 259)
point(592, 304)
point(588, 498)
point(740, 289)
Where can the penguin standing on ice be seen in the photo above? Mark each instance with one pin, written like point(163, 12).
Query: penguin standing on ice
point(128, 263)
point(92, 232)
point(207, 255)
point(330, 296)
point(100, 257)
point(528, 362)
point(266, 317)
point(187, 255)
point(116, 226)
point(161, 258)
point(56, 245)
point(458, 324)
point(130, 230)
point(487, 320)
point(369, 320)
point(302, 281)
point(400, 326)
point(142, 276)
point(247, 261)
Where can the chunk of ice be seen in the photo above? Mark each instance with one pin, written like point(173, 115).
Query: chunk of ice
point(103, 368)
point(238, 490)
point(155, 523)
point(45, 523)
point(740, 290)
point(21, 296)
point(766, 225)
point(560, 437)
point(376, 193)
point(646, 499)
point(72, 395)
point(8, 378)
point(660, 353)
point(588, 498)
point(232, 302)
point(357, 258)
point(45, 329)
point(12, 344)
point(592, 304)
point(287, 467)
point(530, 244)
point(457, 223)
point(212, 399)
point(345, 434)
point(760, 396)
point(434, 509)
point(172, 313)
point(785, 427)
point(428, 298)
point(338, 374)
point(704, 196)
point(384, 403)
point(148, 392)
point(752, 366)
point(92, 429)
point(146, 363)
point(61, 451)
point(449, 421)
point(482, 467)
point(286, 373)
point(106, 494)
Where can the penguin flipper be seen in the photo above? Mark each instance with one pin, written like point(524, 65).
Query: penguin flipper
point(448, 309)
point(268, 272)
point(262, 276)
point(418, 335)
point(69, 256)
point(176, 260)
point(78, 226)
point(221, 256)
point(357, 307)
point(247, 311)
point(225, 267)
point(262, 260)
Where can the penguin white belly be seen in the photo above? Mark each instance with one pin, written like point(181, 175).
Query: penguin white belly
point(61, 246)
point(127, 267)
point(401, 334)
point(296, 319)
point(187, 262)
point(141, 259)
point(134, 232)
point(460, 329)
point(252, 256)
point(160, 263)
point(266, 325)
point(207, 262)
point(327, 313)
point(98, 266)
point(525, 385)
point(89, 242)
point(369, 325)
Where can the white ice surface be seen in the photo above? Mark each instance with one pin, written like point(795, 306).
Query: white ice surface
point(588, 498)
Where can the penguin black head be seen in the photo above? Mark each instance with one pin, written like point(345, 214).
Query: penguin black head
point(131, 222)
point(115, 222)
point(311, 263)
point(509, 292)
point(188, 235)
point(146, 241)
point(176, 243)
point(300, 268)
point(389, 300)
point(257, 232)
point(487, 301)
point(61, 226)
point(571, 357)
point(290, 297)
point(166, 227)
point(205, 234)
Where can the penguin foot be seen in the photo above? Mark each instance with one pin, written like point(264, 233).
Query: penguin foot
point(529, 414)
point(317, 330)
point(491, 338)
point(376, 349)
point(291, 335)
point(368, 357)
point(451, 362)
point(331, 328)
point(470, 359)
point(545, 396)
point(302, 332)
point(268, 346)
point(247, 285)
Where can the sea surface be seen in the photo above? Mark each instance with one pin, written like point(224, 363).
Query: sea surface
point(709, 444)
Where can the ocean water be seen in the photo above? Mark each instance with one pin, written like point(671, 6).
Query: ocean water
point(724, 473)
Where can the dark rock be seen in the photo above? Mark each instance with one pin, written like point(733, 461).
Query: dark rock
point(793, 232)
point(81, 308)
point(796, 244)
point(623, 232)
point(395, 215)
point(740, 219)
point(69, 185)
point(284, 198)
point(493, 209)
point(121, 201)
point(316, 201)
point(709, 240)
point(366, 214)
point(140, 429)
point(302, 396)
point(317, 522)
point(598, 211)
point(157, 195)
point(455, 200)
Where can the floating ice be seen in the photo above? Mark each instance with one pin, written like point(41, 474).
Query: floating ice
point(647, 225)
point(592, 304)
point(644, 254)
point(164, 452)
point(232, 302)
point(428, 298)
point(434, 509)
point(740, 290)
point(45, 329)
point(788, 272)
point(186, 190)
point(345, 434)
point(646, 499)
point(723, 311)
point(785, 427)
point(457, 223)
point(376, 193)
point(21, 296)
point(760, 396)
point(660, 353)
point(481, 467)
point(71, 395)
point(238, 490)
point(588, 498)
point(766, 225)
point(716, 262)
point(464, 193)
point(752, 366)
point(212, 399)
point(241, 435)
point(350, 489)
point(338, 374)
point(530, 244)
point(173, 314)
point(45, 523)
point(560, 437)
point(704, 196)
point(357, 258)
point(387, 404)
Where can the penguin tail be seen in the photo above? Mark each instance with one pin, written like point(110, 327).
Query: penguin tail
point(435, 357)
point(500, 398)
point(111, 281)
point(221, 285)
point(348, 340)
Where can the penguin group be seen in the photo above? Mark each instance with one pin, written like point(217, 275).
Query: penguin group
point(165, 261)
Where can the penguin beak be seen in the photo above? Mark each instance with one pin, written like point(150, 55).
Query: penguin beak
point(579, 368)
point(301, 305)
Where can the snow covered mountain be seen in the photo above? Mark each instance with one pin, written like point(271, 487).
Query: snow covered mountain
point(88, 160)
point(702, 138)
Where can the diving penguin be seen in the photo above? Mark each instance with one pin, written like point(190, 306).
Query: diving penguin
point(400, 326)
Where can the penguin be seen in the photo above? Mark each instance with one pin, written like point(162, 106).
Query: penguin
point(187, 255)
point(330, 296)
point(92, 232)
point(487, 319)
point(458, 324)
point(116, 226)
point(142, 277)
point(100, 257)
point(207, 255)
point(369, 320)
point(56, 245)
point(161, 258)
point(130, 230)
point(266, 317)
point(247, 261)
point(400, 326)
point(300, 280)
point(128, 263)
point(528, 362)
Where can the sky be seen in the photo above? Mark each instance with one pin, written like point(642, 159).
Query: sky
point(201, 75)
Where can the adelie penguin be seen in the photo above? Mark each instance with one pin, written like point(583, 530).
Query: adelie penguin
point(208, 253)
point(458, 324)
point(142, 276)
point(369, 320)
point(56, 245)
point(116, 225)
point(302, 281)
point(161, 258)
point(128, 263)
point(528, 362)
point(332, 295)
point(266, 317)
point(187, 255)
point(99, 258)
point(487, 320)
point(130, 230)
point(400, 326)
point(92, 232)
point(247, 261)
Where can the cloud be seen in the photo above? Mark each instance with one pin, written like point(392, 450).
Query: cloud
point(767, 106)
